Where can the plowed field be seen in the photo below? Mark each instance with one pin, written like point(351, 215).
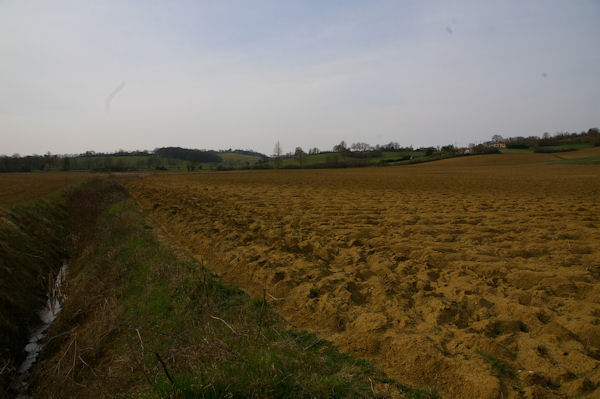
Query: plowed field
point(479, 277)
point(18, 187)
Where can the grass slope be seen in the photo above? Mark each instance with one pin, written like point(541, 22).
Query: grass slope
point(563, 147)
point(236, 159)
point(548, 149)
point(586, 156)
point(31, 250)
point(332, 159)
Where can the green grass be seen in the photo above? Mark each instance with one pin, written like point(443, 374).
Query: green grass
point(173, 164)
point(561, 147)
point(516, 150)
point(232, 159)
point(499, 367)
point(575, 146)
point(577, 161)
point(336, 160)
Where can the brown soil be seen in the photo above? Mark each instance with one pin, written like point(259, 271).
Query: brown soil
point(585, 153)
point(19, 187)
point(479, 277)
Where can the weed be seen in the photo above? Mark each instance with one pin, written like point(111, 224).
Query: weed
point(500, 368)
point(412, 393)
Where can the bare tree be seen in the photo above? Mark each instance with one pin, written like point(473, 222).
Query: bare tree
point(277, 154)
point(300, 155)
point(341, 147)
point(49, 160)
point(360, 147)
point(65, 163)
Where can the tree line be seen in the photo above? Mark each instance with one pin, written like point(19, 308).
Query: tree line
point(592, 137)
point(341, 155)
point(159, 159)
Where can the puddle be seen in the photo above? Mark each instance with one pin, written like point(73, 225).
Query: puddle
point(34, 346)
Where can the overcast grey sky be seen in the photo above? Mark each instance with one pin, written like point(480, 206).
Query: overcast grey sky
point(103, 75)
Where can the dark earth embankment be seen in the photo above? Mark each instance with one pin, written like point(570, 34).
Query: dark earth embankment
point(31, 251)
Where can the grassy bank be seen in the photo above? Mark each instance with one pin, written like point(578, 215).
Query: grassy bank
point(31, 251)
point(143, 319)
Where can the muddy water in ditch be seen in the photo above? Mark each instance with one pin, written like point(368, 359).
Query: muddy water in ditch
point(33, 348)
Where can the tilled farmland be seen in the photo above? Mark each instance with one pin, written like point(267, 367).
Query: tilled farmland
point(19, 187)
point(478, 277)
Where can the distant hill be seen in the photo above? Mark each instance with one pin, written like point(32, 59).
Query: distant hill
point(243, 152)
point(184, 154)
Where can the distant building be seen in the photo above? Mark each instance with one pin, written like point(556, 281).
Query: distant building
point(498, 144)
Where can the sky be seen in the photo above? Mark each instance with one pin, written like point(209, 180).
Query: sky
point(108, 75)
